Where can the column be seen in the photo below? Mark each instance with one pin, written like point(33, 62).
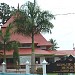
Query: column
point(3, 67)
point(27, 67)
point(44, 67)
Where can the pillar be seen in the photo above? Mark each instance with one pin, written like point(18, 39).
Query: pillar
point(3, 67)
point(44, 67)
point(27, 67)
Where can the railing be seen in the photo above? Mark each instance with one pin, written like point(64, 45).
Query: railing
point(22, 69)
point(12, 68)
point(39, 69)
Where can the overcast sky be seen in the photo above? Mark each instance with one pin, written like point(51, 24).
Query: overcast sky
point(64, 25)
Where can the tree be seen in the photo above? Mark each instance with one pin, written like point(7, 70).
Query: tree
point(54, 46)
point(30, 20)
point(16, 54)
point(5, 42)
point(5, 12)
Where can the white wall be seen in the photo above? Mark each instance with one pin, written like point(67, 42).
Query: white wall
point(23, 59)
point(41, 59)
point(56, 58)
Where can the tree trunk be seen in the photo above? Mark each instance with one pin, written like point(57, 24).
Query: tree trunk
point(4, 60)
point(33, 56)
point(33, 63)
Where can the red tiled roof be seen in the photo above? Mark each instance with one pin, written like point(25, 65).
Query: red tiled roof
point(64, 52)
point(38, 39)
point(24, 39)
point(69, 52)
point(41, 40)
point(58, 53)
point(27, 51)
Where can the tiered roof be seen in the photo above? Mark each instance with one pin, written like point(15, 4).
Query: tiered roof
point(38, 39)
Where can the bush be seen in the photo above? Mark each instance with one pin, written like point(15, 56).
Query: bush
point(39, 71)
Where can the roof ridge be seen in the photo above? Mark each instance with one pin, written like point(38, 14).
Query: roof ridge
point(8, 22)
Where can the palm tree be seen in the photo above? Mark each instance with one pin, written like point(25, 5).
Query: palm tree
point(30, 20)
point(5, 42)
point(16, 55)
point(54, 46)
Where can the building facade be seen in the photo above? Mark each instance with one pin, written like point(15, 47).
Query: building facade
point(41, 48)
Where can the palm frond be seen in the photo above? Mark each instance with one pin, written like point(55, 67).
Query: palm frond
point(54, 46)
point(12, 45)
point(1, 46)
point(1, 34)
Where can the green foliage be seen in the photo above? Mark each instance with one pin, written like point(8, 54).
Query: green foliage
point(0, 32)
point(5, 42)
point(15, 45)
point(1, 46)
point(54, 44)
point(16, 54)
point(5, 12)
point(39, 70)
point(16, 57)
point(4, 37)
point(30, 20)
point(7, 33)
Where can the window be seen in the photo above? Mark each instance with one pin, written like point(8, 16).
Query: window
point(37, 60)
point(9, 60)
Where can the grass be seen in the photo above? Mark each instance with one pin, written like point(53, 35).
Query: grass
point(52, 74)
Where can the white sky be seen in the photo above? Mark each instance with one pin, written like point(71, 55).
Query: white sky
point(64, 25)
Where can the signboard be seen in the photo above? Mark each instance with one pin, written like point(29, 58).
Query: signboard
point(65, 66)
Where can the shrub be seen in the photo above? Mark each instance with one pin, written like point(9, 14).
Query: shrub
point(39, 71)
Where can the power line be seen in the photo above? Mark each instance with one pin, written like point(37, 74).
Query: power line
point(64, 14)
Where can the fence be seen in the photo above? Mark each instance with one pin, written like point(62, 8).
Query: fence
point(22, 68)
point(39, 68)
